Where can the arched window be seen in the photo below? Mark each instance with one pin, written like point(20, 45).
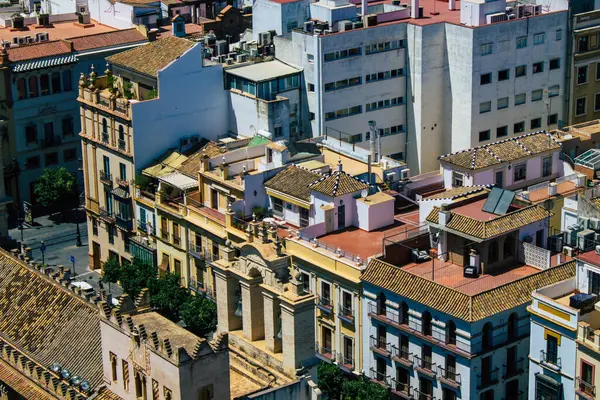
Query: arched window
point(451, 333)
point(509, 247)
point(513, 326)
point(493, 252)
point(487, 340)
point(381, 304)
point(121, 133)
point(426, 321)
point(140, 386)
point(404, 313)
point(113, 366)
point(104, 125)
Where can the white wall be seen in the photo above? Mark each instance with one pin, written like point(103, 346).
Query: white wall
point(198, 107)
point(374, 216)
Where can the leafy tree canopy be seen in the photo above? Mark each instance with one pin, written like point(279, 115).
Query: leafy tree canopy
point(200, 315)
point(56, 188)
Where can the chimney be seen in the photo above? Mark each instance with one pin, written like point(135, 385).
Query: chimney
point(525, 194)
point(444, 215)
point(559, 257)
point(152, 34)
point(339, 165)
point(373, 140)
point(224, 171)
point(414, 9)
point(552, 189)
point(369, 170)
point(581, 180)
point(474, 260)
point(451, 4)
point(204, 165)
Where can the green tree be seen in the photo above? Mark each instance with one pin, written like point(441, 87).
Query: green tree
point(199, 315)
point(362, 389)
point(112, 272)
point(137, 275)
point(56, 189)
point(331, 380)
point(167, 295)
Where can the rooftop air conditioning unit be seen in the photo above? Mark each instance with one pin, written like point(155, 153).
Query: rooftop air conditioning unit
point(240, 58)
point(536, 9)
point(215, 59)
point(585, 240)
point(327, 32)
point(511, 16)
point(6, 44)
point(594, 223)
point(470, 272)
point(344, 26)
point(15, 40)
point(42, 37)
point(405, 174)
point(253, 52)
point(264, 38)
point(357, 25)
point(23, 40)
point(568, 250)
point(309, 26)
point(221, 47)
point(222, 58)
point(229, 61)
point(498, 17)
point(583, 221)
point(317, 31)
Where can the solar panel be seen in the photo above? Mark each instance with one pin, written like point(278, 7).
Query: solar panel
point(492, 200)
point(505, 200)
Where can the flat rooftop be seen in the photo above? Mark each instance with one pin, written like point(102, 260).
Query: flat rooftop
point(475, 210)
point(590, 257)
point(263, 71)
point(563, 189)
point(58, 30)
point(165, 328)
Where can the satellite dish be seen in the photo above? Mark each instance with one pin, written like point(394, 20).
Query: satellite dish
point(364, 193)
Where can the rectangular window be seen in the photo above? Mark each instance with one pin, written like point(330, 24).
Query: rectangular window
point(553, 119)
point(94, 226)
point(122, 171)
point(582, 75)
point(502, 103)
point(520, 98)
point(485, 79)
point(539, 38)
point(538, 67)
point(521, 42)
point(341, 54)
point(547, 166)
point(503, 75)
point(111, 233)
point(485, 107)
point(536, 123)
point(56, 82)
point(305, 282)
point(537, 95)
point(558, 34)
point(521, 70)
point(581, 106)
point(520, 172)
point(519, 127)
point(486, 49)
point(502, 131)
point(311, 87)
point(70, 155)
point(51, 159)
point(554, 64)
point(587, 378)
point(593, 283)
point(553, 91)
point(31, 134)
point(66, 81)
point(458, 179)
point(44, 84)
point(484, 135)
point(551, 349)
point(32, 162)
point(67, 126)
point(597, 102)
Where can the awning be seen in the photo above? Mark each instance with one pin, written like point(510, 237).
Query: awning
point(327, 207)
point(547, 380)
point(120, 192)
point(179, 180)
point(44, 63)
point(168, 163)
point(288, 199)
point(164, 264)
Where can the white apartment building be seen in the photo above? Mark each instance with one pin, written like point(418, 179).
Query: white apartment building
point(434, 84)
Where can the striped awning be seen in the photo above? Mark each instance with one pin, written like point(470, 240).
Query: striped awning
point(44, 63)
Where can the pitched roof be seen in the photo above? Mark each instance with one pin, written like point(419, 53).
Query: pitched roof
point(503, 151)
point(338, 183)
point(293, 181)
point(48, 322)
point(106, 394)
point(457, 192)
point(154, 56)
point(107, 39)
point(21, 384)
point(38, 50)
point(460, 305)
point(494, 227)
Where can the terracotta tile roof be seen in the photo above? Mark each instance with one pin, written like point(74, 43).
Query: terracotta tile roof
point(38, 50)
point(191, 166)
point(338, 183)
point(106, 394)
point(503, 151)
point(151, 58)
point(21, 384)
point(293, 181)
point(48, 322)
point(457, 192)
point(107, 39)
point(459, 305)
point(494, 227)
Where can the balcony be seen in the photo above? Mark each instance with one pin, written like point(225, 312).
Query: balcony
point(514, 369)
point(106, 178)
point(195, 250)
point(419, 395)
point(425, 366)
point(325, 353)
point(385, 315)
point(107, 216)
point(380, 378)
point(380, 346)
point(105, 138)
point(345, 363)
point(122, 182)
point(324, 304)
point(584, 389)
point(122, 145)
point(551, 359)
point(346, 314)
point(124, 221)
point(449, 376)
point(487, 379)
point(402, 356)
point(401, 389)
point(144, 227)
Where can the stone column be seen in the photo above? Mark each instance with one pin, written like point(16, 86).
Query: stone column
point(227, 301)
point(272, 324)
point(298, 329)
point(253, 313)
